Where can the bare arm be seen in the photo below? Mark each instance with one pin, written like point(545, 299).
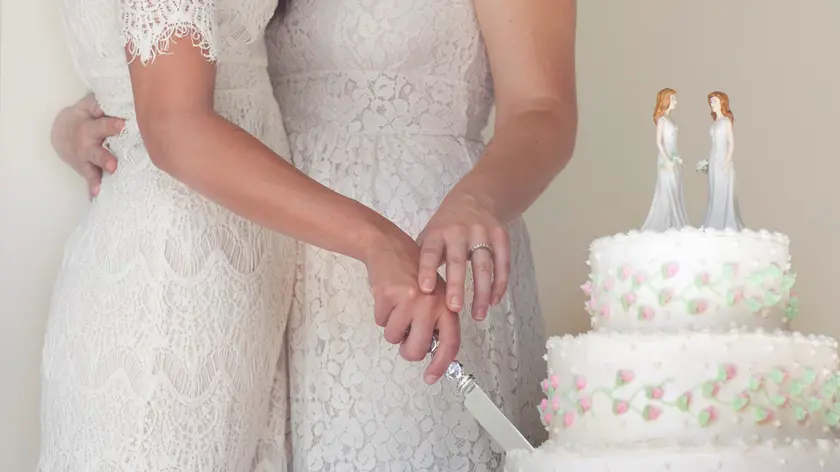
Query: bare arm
point(185, 138)
point(188, 140)
point(531, 46)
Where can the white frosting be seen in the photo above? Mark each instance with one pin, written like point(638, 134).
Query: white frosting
point(689, 279)
point(660, 368)
point(788, 456)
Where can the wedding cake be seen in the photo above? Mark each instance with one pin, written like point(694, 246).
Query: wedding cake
point(690, 365)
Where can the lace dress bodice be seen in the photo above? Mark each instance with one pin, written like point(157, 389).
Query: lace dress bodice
point(382, 67)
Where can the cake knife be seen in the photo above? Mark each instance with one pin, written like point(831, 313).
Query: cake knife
point(482, 408)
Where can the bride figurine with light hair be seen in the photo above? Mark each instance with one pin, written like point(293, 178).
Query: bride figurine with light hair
point(722, 211)
point(667, 211)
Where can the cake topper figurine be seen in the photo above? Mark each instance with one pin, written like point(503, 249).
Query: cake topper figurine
point(668, 207)
point(722, 210)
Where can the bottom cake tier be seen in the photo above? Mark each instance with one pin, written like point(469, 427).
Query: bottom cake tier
point(792, 456)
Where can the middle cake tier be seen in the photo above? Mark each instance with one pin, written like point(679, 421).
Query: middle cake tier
point(611, 388)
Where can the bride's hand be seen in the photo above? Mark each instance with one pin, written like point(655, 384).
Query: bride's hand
point(465, 231)
point(399, 304)
point(77, 135)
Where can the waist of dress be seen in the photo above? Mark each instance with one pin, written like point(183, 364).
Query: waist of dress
point(383, 103)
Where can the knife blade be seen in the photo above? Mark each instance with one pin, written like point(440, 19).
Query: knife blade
point(488, 415)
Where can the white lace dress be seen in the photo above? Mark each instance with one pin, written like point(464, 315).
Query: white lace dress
point(168, 315)
point(384, 101)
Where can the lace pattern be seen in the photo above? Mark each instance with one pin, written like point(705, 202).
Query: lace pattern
point(149, 26)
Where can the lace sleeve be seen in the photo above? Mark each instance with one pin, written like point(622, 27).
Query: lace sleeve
point(150, 25)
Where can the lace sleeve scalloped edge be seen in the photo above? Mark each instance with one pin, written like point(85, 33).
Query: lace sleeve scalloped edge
point(149, 30)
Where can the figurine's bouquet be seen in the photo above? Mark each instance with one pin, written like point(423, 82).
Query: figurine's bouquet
point(676, 160)
point(702, 166)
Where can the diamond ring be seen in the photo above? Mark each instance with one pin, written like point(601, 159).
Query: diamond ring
point(479, 246)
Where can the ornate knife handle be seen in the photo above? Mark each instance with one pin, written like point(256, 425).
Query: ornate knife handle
point(455, 372)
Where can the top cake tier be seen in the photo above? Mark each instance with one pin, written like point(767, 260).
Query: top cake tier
point(690, 279)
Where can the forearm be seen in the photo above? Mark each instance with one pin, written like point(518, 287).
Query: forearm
point(231, 167)
point(527, 151)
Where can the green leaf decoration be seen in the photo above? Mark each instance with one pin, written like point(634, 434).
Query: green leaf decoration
point(730, 270)
point(827, 390)
point(778, 376)
point(800, 413)
point(779, 400)
point(832, 418)
point(809, 376)
point(814, 405)
point(754, 305)
point(730, 298)
point(836, 407)
point(797, 388)
point(772, 298)
point(792, 308)
point(705, 417)
point(788, 281)
point(755, 384)
point(684, 401)
point(710, 389)
point(740, 402)
point(760, 414)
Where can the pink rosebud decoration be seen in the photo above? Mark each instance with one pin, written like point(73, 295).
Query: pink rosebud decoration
point(555, 381)
point(568, 419)
point(548, 417)
point(621, 407)
point(665, 296)
point(591, 305)
point(698, 306)
point(624, 377)
point(625, 272)
point(543, 405)
point(651, 413)
point(608, 284)
point(580, 382)
point(605, 311)
point(629, 298)
point(639, 278)
point(729, 371)
point(670, 269)
point(544, 384)
point(587, 288)
point(555, 405)
point(656, 393)
point(646, 313)
point(702, 279)
point(585, 403)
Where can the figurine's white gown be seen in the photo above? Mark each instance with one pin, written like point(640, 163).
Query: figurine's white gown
point(667, 211)
point(722, 211)
point(173, 343)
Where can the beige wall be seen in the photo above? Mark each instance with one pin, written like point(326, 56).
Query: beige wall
point(781, 66)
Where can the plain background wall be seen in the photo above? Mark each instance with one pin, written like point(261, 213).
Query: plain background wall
point(780, 64)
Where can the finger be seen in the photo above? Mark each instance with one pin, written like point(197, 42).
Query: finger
point(108, 126)
point(103, 159)
point(93, 177)
point(416, 345)
point(89, 105)
point(431, 257)
point(456, 268)
point(500, 241)
point(482, 266)
point(382, 308)
point(449, 341)
point(398, 323)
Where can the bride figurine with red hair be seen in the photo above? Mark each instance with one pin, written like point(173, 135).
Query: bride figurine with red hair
point(667, 211)
point(722, 211)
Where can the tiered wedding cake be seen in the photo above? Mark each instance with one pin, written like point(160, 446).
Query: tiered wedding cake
point(691, 366)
